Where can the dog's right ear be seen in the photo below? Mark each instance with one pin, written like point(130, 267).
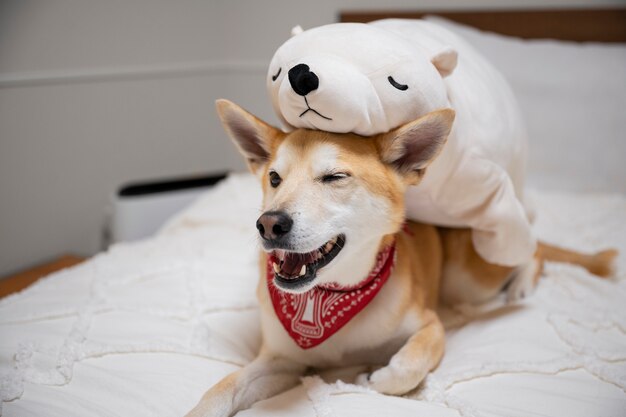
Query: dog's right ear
point(252, 136)
point(409, 149)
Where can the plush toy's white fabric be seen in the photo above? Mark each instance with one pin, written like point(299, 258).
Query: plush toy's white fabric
point(370, 78)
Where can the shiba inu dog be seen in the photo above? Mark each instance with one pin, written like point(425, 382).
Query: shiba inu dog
point(344, 279)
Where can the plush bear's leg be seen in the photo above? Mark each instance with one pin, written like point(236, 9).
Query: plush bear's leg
point(482, 197)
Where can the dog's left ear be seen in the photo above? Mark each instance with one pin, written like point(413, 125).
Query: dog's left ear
point(252, 136)
point(412, 147)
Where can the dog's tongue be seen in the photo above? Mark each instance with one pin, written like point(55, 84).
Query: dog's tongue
point(292, 264)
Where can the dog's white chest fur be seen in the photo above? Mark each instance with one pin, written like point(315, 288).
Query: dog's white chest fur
point(372, 336)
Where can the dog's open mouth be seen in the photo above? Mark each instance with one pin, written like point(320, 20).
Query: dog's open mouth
point(293, 270)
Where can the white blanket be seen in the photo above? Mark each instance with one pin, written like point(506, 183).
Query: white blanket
point(146, 328)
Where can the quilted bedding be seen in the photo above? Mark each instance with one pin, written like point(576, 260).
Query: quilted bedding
point(145, 328)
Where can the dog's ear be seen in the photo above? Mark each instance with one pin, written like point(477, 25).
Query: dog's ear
point(251, 135)
point(412, 147)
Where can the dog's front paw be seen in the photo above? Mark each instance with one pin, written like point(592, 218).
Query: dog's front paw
point(363, 379)
point(208, 407)
point(203, 412)
point(392, 380)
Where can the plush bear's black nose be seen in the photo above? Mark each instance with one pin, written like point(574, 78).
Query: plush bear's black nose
point(302, 80)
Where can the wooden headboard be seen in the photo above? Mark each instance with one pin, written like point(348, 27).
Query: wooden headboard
point(582, 25)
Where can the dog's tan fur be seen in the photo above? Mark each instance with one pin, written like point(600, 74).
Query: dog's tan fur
point(399, 331)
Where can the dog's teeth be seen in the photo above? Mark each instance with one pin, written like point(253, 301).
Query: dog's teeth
point(303, 270)
point(328, 247)
point(276, 269)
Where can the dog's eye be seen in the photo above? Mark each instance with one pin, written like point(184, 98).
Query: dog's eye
point(275, 77)
point(334, 177)
point(396, 84)
point(275, 179)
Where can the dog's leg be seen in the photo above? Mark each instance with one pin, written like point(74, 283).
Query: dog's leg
point(524, 280)
point(264, 377)
point(466, 277)
point(414, 360)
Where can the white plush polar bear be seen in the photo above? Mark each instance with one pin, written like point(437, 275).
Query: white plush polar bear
point(370, 78)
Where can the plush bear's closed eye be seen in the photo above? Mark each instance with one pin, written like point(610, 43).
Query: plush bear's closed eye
point(275, 77)
point(401, 87)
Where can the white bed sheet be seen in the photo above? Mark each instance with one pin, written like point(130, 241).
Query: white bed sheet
point(146, 328)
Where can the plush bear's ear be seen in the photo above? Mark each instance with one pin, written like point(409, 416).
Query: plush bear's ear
point(445, 61)
point(412, 147)
point(296, 30)
point(252, 136)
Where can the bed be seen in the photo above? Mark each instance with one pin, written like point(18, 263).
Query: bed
point(146, 327)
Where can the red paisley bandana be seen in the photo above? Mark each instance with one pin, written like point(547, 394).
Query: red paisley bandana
point(314, 316)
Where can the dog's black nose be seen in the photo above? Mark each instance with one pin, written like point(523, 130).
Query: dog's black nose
point(302, 80)
point(274, 225)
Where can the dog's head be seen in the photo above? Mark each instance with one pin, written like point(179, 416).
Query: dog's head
point(330, 199)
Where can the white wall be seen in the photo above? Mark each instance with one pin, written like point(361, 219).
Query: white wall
point(97, 93)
